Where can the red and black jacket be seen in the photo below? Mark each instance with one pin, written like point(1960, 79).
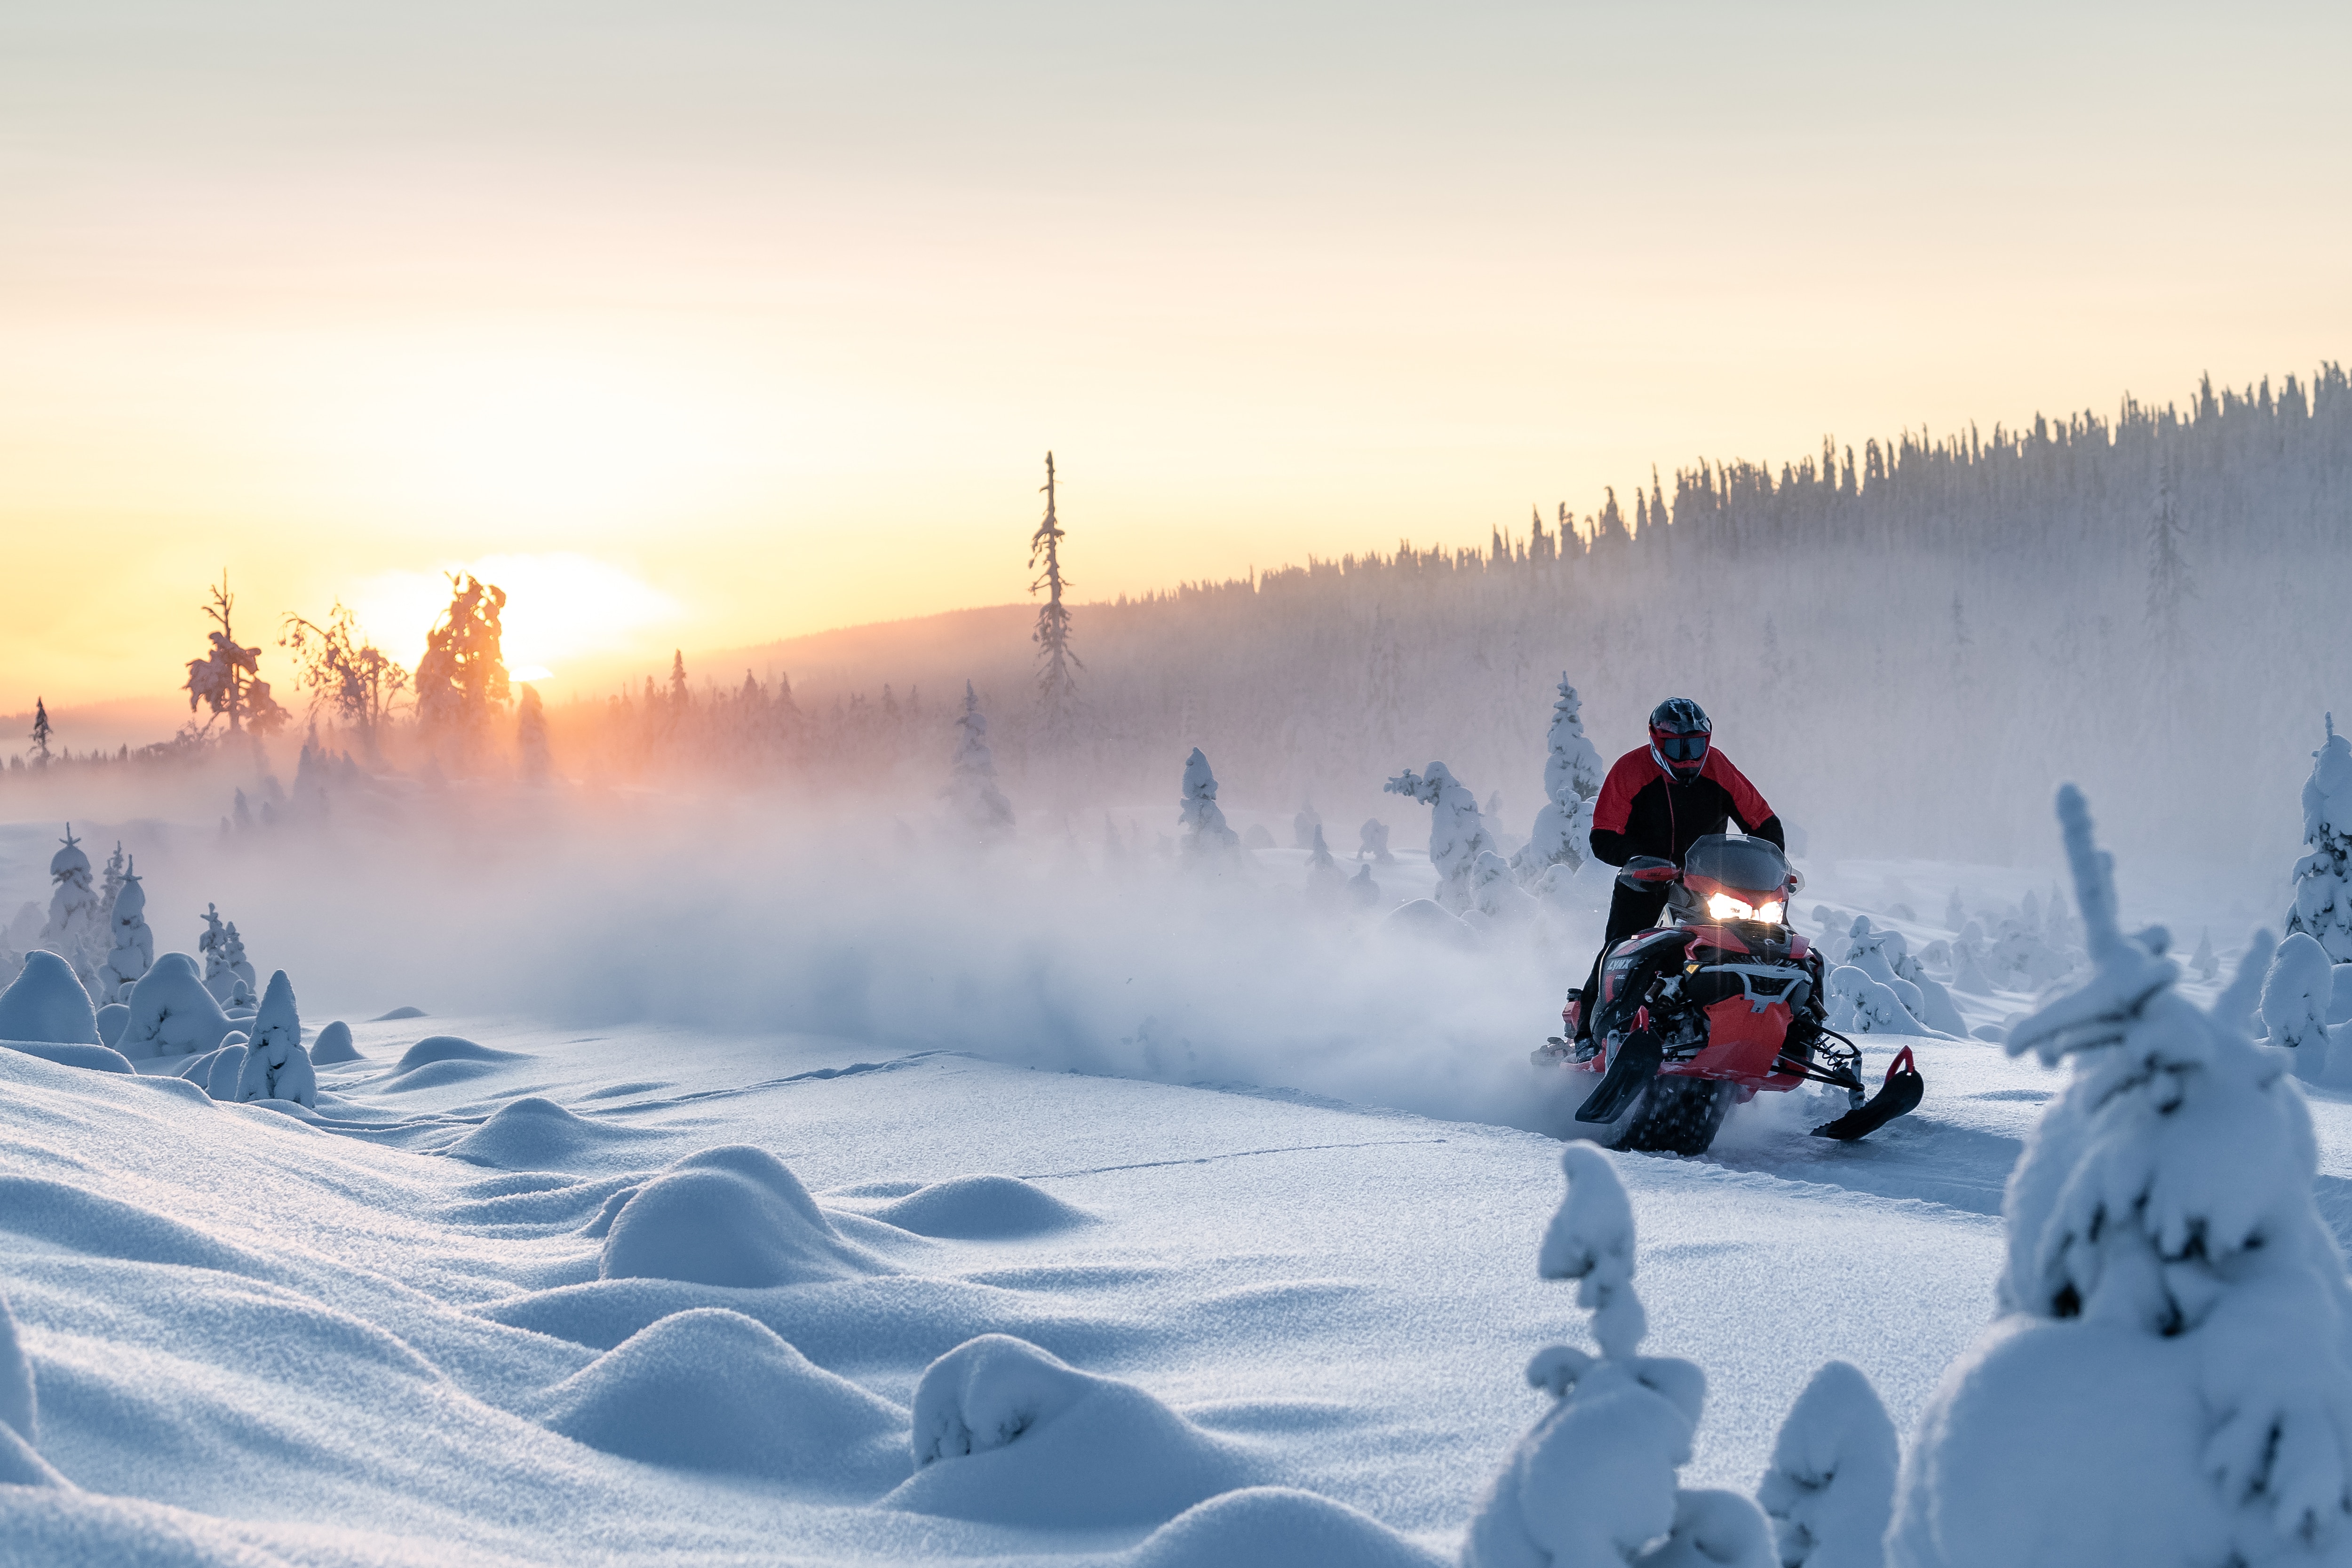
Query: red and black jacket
point(1645, 811)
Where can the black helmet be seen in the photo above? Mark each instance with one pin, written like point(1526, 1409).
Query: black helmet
point(1679, 737)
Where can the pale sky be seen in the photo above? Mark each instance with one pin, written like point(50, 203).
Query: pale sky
point(713, 322)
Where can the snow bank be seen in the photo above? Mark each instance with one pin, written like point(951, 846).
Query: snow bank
point(2168, 1380)
point(45, 1002)
point(95, 1057)
point(981, 1207)
point(1593, 1485)
point(1276, 1527)
point(732, 1216)
point(1007, 1433)
point(2297, 992)
point(171, 1014)
point(275, 1065)
point(442, 1059)
point(1830, 1491)
point(713, 1390)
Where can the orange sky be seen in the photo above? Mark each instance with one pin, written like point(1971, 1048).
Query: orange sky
point(712, 322)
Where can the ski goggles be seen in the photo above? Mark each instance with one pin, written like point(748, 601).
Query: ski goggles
point(1680, 748)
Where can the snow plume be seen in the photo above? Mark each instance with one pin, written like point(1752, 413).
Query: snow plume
point(1458, 834)
point(1830, 1490)
point(2323, 879)
point(980, 808)
point(2168, 1379)
point(1572, 773)
point(1593, 1485)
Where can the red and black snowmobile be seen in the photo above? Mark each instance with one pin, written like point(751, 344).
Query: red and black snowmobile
point(1705, 1012)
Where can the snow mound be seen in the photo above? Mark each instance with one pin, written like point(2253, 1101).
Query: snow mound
point(1276, 1527)
point(712, 1390)
point(112, 1020)
point(397, 1014)
point(535, 1134)
point(981, 1207)
point(1006, 1434)
point(435, 1047)
point(732, 1216)
point(1830, 1490)
point(1428, 919)
point(333, 1044)
point(45, 1002)
point(97, 1058)
point(171, 1014)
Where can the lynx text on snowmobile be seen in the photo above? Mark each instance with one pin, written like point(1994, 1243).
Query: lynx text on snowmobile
point(1704, 1012)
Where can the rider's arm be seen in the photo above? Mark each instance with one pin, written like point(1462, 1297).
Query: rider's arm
point(1613, 812)
point(1748, 808)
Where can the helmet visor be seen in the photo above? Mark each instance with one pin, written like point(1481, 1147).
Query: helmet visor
point(1681, 747)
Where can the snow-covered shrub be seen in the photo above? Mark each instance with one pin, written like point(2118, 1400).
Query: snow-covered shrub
point(134, 949)
point(275, 1065)
point(1362, 891)
point(46, 1003)
point(2323, 879)
point(2166, 1381)
point(1922, 993)
point(1593, 1485)
point(1324, 878)
point(1307, 827)
point(1495, 894)
point(1373, 841)
point(1458, 835)
point(1830, 1490)
point(1968, 972)
point(1201, 831)
point(1858, 1004)
point(172, 1013)
point(978, 807)
point(1562, 833)
point(1955, 914)
point(2205, 963)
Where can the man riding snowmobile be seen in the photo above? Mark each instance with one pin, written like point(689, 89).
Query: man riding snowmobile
point(1658, 801)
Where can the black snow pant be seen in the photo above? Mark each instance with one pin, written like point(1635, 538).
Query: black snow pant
point(1630, 910)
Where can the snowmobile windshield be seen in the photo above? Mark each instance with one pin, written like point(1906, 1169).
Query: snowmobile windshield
point(1750, 864)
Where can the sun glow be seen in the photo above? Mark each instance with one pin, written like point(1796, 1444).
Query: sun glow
point(560, 606)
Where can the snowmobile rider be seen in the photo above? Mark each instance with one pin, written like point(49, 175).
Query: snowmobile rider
point(1659, 799)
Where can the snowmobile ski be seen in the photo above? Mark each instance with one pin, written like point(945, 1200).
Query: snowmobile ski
point(1897, 1096)
point(1631, 1067)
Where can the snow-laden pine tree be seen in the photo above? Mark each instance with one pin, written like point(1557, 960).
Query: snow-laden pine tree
point(110, 884)
point(530, 736)
point(2169, 1376)
point(75, 931)
point(1373, 841)
point(1325, 880)
point(42, 730)
point(1593, 1485)
point(978, 807)
point(1201, 834)
point(1955, 914)
point(227, 678)
point(2204, 963)
point(131, 951)
point(1306, 826)
point(2323, 879)
point(275, 1066)
point(1830, 1490)
point(1572, 773)
point(2296, 995)
point(1458, 835)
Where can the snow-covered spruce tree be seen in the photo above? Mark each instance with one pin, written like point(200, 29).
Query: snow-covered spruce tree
point(133, 951)
point(1057, 691)
point(1201, 831)
point(275, 1065)
point(42, 730)
point(1830, 1490)
point(1373, 841)
point(109, 885)
point(2166, 1381)
point(2205, 963)
point(2323, 879)
point(1362, 891)
point(74, 931)
point(1324, 878)
point(1306, 826)
point(213, 948)
point(978, 807)
point(239, 969)
point(1572, 773)
point(1593, 1485)
point(1955, 914)
point(530, 736)
point(1458, 835)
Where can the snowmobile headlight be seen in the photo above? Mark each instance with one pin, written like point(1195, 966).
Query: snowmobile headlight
point(1723, 907)
point(1771, 912)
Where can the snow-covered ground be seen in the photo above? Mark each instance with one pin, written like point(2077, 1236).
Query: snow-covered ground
point(497, 1298)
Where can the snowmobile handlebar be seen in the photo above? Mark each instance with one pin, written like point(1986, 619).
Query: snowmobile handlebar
point(1643, 872)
